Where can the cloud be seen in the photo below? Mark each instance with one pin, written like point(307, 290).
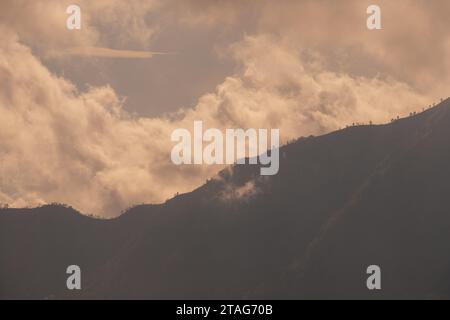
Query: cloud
point(105, 53)
point(105, 23)
point(239, 193)
point(412, 47)
point(82, 147)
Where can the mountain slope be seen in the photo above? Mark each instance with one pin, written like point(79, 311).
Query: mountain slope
point(341, 202)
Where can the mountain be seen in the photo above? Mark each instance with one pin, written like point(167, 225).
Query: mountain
point(365, 195)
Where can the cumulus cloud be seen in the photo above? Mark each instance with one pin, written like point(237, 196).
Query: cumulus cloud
point(412, 46)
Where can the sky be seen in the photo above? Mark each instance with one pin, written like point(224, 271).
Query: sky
point(86, 115)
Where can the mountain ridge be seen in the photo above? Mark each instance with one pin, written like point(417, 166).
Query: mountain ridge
point(347, 129)
point(340, 202)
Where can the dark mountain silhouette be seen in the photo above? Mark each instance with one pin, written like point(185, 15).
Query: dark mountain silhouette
point(340, 202)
